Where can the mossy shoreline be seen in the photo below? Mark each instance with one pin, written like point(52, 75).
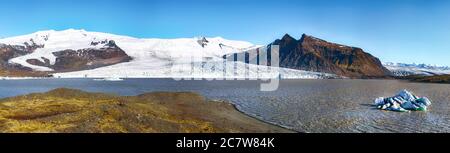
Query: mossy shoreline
point(74, 111)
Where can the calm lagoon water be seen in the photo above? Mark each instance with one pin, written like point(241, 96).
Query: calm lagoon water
point(302, 105)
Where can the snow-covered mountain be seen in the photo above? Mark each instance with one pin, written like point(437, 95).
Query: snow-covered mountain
point(403, 69)
point(133, 57)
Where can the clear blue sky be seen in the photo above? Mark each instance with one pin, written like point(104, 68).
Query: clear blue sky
point(393, 30)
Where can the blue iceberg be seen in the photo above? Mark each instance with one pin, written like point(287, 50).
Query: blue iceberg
point(402, 102)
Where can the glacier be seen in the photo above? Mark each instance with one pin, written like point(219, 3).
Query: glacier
point(153, 57)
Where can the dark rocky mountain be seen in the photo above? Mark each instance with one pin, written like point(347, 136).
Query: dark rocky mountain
point(8, 52)
point(66, 60)
point(314, 54)
point(11, 51)
point(83, 59)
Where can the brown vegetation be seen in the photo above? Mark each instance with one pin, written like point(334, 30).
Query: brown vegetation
point(428, 79)
point(67, 110)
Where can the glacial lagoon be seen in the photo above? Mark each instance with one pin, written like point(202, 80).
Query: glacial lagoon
point(340, 105)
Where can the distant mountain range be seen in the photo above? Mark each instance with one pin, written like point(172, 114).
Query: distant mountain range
point(79, 53)
point(403, 69)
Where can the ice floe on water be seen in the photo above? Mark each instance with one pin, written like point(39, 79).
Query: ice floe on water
point(402, 102)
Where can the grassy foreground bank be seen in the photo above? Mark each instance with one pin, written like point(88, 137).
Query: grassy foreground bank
point(68, 110)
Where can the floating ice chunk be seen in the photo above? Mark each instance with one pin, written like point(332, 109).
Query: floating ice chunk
point(403, 102)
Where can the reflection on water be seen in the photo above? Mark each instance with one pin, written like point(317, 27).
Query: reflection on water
point(303, 105)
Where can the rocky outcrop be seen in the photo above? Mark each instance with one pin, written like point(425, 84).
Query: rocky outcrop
point(314, 54)
point(203, 42)
point(37, 62)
